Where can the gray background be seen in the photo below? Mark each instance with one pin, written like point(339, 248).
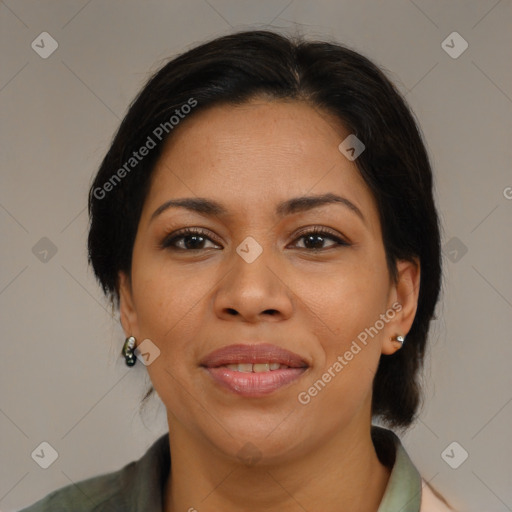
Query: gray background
point(62, 380)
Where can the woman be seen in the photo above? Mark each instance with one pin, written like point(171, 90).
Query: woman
point(265, 222)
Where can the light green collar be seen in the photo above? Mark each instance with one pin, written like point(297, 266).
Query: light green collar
point(403, 492)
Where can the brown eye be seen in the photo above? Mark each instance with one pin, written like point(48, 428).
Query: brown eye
point(315, 238)
point(193, 239)
point(190, 239)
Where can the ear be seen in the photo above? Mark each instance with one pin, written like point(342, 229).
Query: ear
point(126, 307)
point(405, 293)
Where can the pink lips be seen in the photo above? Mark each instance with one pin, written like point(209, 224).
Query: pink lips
point(253, 383)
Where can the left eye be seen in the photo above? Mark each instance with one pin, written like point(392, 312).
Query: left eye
point(317, 237)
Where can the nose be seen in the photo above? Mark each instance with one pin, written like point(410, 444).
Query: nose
point(254, 291)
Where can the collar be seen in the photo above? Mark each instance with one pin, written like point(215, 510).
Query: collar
point(145, 478)
point(403, 492)
point(148, 476)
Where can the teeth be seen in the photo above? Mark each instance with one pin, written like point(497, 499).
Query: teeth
point(262, 367)
point(258, 367)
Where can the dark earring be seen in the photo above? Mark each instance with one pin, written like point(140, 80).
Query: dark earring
point(128, 354)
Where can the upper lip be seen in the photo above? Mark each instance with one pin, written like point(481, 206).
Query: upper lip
point(252, 353)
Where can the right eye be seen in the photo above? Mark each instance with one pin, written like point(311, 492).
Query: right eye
point(191, 239)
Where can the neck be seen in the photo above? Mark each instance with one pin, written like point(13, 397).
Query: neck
point(343, 473)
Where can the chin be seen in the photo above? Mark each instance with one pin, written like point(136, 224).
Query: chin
point(249, 439)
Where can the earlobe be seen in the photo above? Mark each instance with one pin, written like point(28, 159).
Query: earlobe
point(393, 344)
point(126, 307)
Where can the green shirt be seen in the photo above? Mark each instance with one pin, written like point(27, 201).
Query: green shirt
point(139, 485)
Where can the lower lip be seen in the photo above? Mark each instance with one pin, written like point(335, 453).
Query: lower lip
point(254, 383)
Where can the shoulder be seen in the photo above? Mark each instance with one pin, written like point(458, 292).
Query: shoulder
point(432, 501)
point(96, 494)
point(136, 486)
point(405, 484)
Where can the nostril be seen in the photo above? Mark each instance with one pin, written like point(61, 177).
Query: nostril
point(271, 312)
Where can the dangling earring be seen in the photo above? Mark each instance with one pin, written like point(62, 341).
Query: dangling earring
point(128, 354)
point(399, 339)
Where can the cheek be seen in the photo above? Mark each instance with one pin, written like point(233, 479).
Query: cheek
point(171, 314)
point(342, 381)
point(168, 303)
point(349, 330)
point(349, 300)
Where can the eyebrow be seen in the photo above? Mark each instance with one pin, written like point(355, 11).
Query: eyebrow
point(210, 207)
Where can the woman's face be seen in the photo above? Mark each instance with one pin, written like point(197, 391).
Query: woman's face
point(257, 275)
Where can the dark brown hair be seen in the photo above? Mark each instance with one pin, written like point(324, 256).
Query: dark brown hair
point(395, 165)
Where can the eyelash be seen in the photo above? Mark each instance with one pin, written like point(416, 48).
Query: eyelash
point(183, 233)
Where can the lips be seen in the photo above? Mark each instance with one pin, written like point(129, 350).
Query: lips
point(253, 354)
point(253, 370)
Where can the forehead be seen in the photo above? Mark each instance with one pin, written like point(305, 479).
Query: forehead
point(255, 155)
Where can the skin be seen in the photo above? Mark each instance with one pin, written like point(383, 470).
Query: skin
point(317, 456)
